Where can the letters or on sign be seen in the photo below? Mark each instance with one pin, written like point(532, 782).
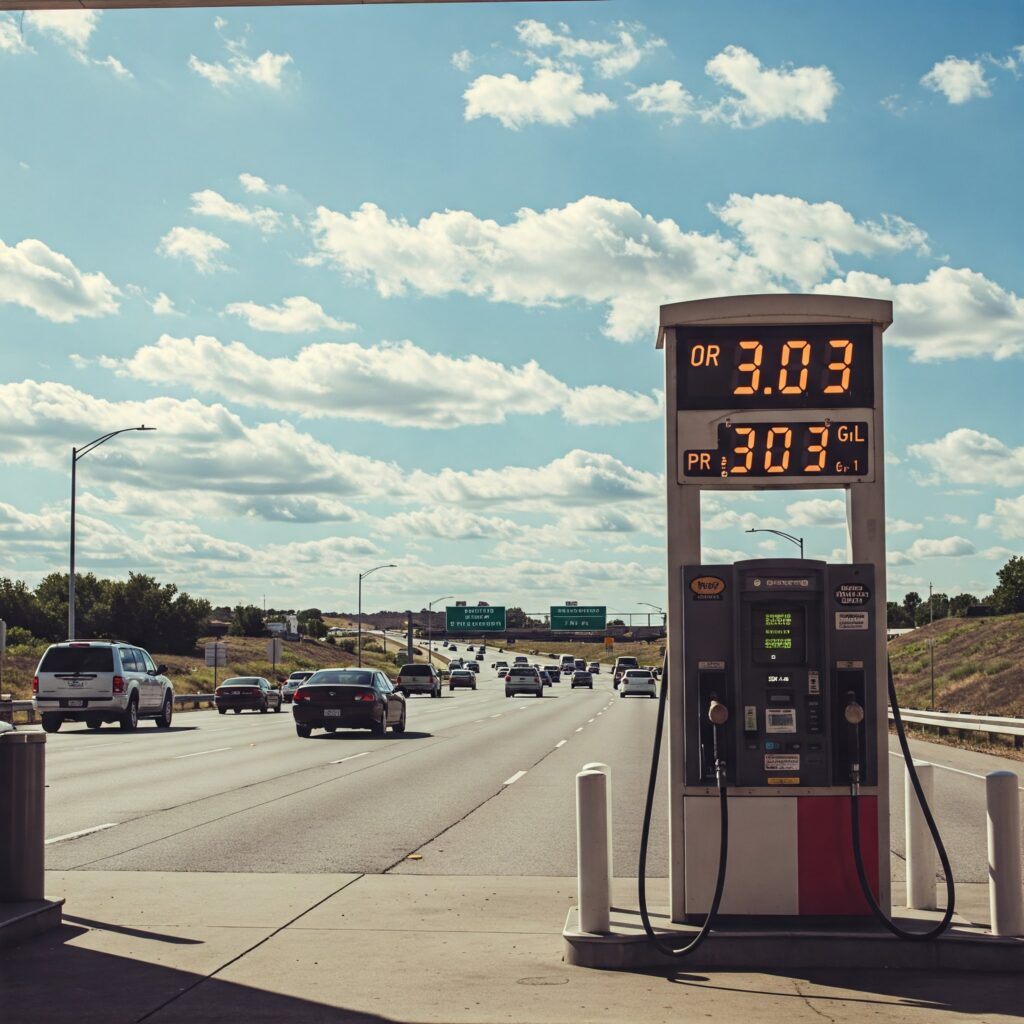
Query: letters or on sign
point(852, 594)
point(481, 619)
point(707, 588)
point(782, 762)
point(785, 780)
point(851, 620)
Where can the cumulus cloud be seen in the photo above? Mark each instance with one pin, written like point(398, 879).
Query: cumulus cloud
point(958, 80)
point(946, 547)
point(12, 40)
point(1007, 517)
point(396, 384)
point(668, 98)
point(549, 97)
point(295, 315)
point(967, 456)
point(817, 512)
point(163, 305)
point(462, 60)
point(208, 203)
point(70, 28)
point(199, 247)
point(447, 522)
point(239, 68)
point(47, 282)
point(611, 57)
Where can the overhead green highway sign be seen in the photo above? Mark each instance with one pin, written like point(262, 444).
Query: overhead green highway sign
point(481, 619)
point(578, 617)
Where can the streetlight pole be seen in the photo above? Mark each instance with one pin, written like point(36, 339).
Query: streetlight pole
point(359, 619)
point(76, 454)
point(798, 541)
point(660, 611)
point(430, 625)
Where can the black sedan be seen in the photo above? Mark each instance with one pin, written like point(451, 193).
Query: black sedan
point(348, 698)
point(246, 693)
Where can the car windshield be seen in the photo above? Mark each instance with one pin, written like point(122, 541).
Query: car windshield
point(414, 670)
point(340, 677)
point(242, 681)
point(78, 659)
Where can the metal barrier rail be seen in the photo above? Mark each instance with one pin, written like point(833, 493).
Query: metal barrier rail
point(964, 723)
point(181, 700)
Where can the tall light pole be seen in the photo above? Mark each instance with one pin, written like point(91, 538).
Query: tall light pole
point(660, 611)
point(798, 541)
point(76, 454)
point(359, 620)
point(430, 625)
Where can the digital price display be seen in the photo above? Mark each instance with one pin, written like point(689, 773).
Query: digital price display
point(806, 366)
point(784, 450)
point(778, 635)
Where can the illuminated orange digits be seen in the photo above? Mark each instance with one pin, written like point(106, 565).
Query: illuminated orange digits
point(819, 448)
point(805, 357)
point(842, 366)
point(787, 439)
point(753, 368)
point(746, 450)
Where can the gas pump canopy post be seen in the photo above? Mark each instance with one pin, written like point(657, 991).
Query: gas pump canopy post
point(777, 392)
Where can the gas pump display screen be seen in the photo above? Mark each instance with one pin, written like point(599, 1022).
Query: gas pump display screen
point(779, 635)
point(807, 366)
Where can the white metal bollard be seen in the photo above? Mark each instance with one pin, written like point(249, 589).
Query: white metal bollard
point(1004, 874)
point(592, 851)
point(921, 854)
point(598, 766)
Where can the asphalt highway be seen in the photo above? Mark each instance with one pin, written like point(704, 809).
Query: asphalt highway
point(479, 785)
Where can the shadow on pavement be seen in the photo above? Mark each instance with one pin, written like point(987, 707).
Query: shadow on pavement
point(50, 981)
point(139, 933)
point(362, 734)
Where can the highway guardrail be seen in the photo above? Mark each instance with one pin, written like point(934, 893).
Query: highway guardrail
point(964, 723)
point(181, 700)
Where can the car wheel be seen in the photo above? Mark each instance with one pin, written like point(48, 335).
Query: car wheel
point(380, 729)
point(222, 711)
point(474, 686)
point(330, 728)
point(51, 722)
point(277, 710)
point(304, 731)
point(166, 714)
point(507, 694)
point(130, 719)
point(237, 711)
point(264, 707)
point(451, 686)
point(400, 728)
point(94, 723)
point(653, 696)
point(622, 695)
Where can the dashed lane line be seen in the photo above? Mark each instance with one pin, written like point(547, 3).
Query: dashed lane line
point(81, 832)
point(351, 757)
point(514, 778)
point(200, 753)
point(580, 729)
point(560, 743)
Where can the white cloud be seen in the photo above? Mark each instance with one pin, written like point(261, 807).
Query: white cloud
point(267, 69)
point(296, 315)
point(397, 384)
point(947, 547)
point(951, 314)
point(47, 282)
point(903, 526)
point(462, 60)
point(11, 38)
point(957, 79)
point(195, 245)
point(208, 203)
point(998, 554)
point(550, 97)
point(163, 305)
point(799, 240)
point(1007, 517)
point(668, 98)
point(447, 522)
point(817, 512)
point(115, 65)
point(611, 57)
point(70, 28)
point(966, 456)
point(768, 94)
point(253, 183)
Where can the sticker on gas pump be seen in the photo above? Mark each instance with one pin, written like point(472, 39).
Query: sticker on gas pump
point(852, 593)
point(707, 588)
point(780, 720)
point(813, 681)
point(784, 780)
point(851, 620)
point(782, 762)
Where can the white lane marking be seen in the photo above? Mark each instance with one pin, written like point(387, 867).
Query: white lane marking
point(351, 757)
point(498, 715)
point(514, 778)
point(946, 768)
point(199, 753)
point(560, 743)
point(589, 721)
point(580, 729)
point(477, 721)
point(82, 832)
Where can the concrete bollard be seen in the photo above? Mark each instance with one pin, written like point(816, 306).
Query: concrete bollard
point(921, 853)
point(22, 805)
point(598, 766)
point(592, 852)
point(1004, 873)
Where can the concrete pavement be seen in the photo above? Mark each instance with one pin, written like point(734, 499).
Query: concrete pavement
point(350, 949)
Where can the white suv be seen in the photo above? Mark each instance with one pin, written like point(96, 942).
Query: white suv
point(97, 681)
point(523, 679)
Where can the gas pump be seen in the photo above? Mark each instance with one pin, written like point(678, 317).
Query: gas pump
point(776, 680)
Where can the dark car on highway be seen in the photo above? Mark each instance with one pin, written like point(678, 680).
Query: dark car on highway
point(461, 677)
point(348, 698)
point(246, 693)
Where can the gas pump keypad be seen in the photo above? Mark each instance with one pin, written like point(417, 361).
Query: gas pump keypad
point(791, 666)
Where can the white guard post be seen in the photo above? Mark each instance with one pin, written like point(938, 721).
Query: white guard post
point(690, 428)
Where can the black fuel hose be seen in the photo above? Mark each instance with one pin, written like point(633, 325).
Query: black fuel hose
point(723, 851)
point(932, 933)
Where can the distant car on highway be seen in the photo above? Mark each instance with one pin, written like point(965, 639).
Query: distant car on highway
point(472, 666)
point(581, 678)
point(461, 677)
point(523, 679)
point(554, 671)
point(545, 677)
point(520, 659)
point(479, 656)
point(97, 681)
point(500, 666)
point(292, 683)
point(594, 668)
point(622, 664)
point(348, 698)
point(637, 682)
point(470, 648)
point(246, 693)
point(418, 679)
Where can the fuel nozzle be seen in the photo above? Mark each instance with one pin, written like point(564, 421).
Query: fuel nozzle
point(854, 715)
point(718, 715)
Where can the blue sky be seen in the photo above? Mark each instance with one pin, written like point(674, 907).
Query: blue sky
point(387, 279)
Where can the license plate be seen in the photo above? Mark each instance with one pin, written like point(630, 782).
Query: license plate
point(75, 684)
point(332, 712)
point(76, 703)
